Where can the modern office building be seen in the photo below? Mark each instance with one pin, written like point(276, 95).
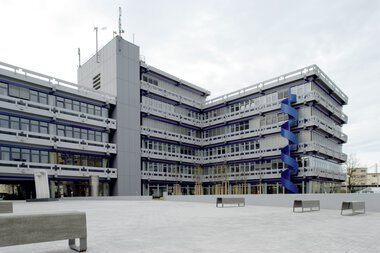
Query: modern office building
point(161, 134)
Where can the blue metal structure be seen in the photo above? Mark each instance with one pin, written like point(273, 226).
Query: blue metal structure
point(286, 132)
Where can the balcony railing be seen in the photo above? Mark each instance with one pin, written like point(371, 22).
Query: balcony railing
point(27, 168)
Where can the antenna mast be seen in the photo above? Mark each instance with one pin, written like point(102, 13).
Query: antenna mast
point(79, 57)
point(120, 29)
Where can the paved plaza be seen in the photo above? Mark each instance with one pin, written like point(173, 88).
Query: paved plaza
point(161, 226)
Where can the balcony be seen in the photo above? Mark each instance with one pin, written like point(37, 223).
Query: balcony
point(56, 170)
point(53, 112)
point(148, 131)
point(33, 138)
point(166, 176)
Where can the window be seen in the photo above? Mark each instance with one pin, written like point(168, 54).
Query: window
point(15, 154)
point(44, 155)
point(15, 123)
point(76, 133)
point(60, 102)
point(24, 124)
point(69, 132)
point(98, 111)
point(25, 155)
point(91, 109)
point(34, 96)
point(35, 156)
point(60, 130)
point(18, 92)
point(24, 93)
point(68, 104)
point(91, 135)
point(76, 106)
point(3, 89)
point(43, 98)
point(98, 136)
point(77, 160)
point(5, 153)
point(83, 134)
point(44, 127)
point(34, 126)
point(83, 107)
point(4, 121)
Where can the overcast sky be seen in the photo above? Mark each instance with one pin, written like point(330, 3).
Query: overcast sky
point(219, 45)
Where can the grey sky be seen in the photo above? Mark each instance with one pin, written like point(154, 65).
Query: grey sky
point(219, 45)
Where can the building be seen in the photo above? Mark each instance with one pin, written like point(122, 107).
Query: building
point(361, 178)
point(171, 138)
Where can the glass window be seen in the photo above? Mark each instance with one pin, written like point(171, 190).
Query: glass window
point(76, 133)
point(34, 126)
point(35, 156)
point(91, 161)
point(15, 123)
point(98, 136)
point(24, 93)
point(69, 132)
point(5, 153)
point(60, 102)
point(91, 135)
point(76, 106)
point(83, 107)
point(84, 160)
point(68, 104)
point(14, 91)
point(34, 96)
point(44, 127)
point(98, 111)
point(24, 124)
point(44, 156)
point(77, 160)
point(60, 130)
point(4, 121)
point(43, 97)
point(91, 109)
point(15, 153)
point(83, 134)
point(98, 162)
point(3, 89)
point(25, 155)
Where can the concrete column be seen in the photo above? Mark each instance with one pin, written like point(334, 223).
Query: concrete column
point(303, 187)
point(106, 189)
point(94, 182)
point(188, 190)
point(277, 187)
point(52, 189)
point(147, 189)
point(265, 188)
point(310, 183)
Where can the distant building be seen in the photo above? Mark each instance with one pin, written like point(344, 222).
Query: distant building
point(361, 178)
point(133, 129)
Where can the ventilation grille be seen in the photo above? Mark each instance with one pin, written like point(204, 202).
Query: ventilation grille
point(96, 82)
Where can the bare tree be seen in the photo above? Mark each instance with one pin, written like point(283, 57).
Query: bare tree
point(350, 165)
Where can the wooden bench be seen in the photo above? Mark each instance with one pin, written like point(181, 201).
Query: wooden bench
point(223, 201)
point(310, 204)
point(6, 207)
point(17, 229)
point(355, 206)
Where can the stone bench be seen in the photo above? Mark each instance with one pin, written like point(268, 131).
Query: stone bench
point(223, 201)
point(6, 207)
point(355, 206)
point(309, 204)
point(17, 229)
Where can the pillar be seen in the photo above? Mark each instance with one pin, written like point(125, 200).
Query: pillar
point(106, 189)
point(52, 189)
point(303, 187)
point(94, 182)
point(277, 187)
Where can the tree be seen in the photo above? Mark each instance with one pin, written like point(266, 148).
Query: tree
point(350, 165)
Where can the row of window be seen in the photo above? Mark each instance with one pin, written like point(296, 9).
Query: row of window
point(42, 97)
point(150, 80)
point(41, 156)
point(43, 127)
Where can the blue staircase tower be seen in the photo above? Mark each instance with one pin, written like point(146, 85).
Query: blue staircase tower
point(292, 170)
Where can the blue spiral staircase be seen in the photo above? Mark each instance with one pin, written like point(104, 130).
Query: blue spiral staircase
point(292, 170)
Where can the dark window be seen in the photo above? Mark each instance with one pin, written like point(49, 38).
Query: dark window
point(44, 156)
point(4, 121)
point(34, 96)
point(24, 124)
point(35, 156)
point(69, 132)
point(76, 106)
point(3, 89)
point(84, 160)
point(5, 153)
point(43, 98)
point(34, 126)
point(15, 123)
point(60, 102)
point(77, 160)
point(44, 127)
point(15, 153)
point(68, 104)
point(60, 130)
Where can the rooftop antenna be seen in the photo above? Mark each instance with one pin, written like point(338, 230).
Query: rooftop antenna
point(120, 29)
point(133, 38)
point(79, 57)
point(96, 37)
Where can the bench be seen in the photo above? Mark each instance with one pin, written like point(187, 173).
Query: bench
point(355, 206)
point(6, 207)
point(17, 229)
point(310, 204)
point(223, 201)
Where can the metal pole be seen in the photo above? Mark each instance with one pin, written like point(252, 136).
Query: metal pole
point(96, 38)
